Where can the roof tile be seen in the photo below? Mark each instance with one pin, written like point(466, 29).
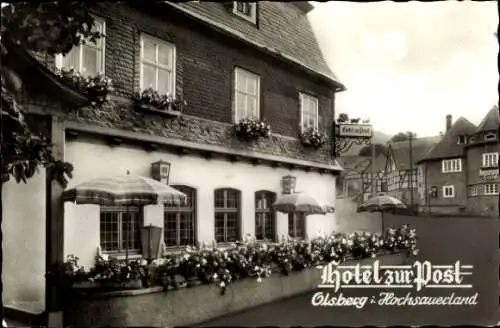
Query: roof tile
point(490, 121)
point(420, 147)
point(448, 147)
point(282, 27)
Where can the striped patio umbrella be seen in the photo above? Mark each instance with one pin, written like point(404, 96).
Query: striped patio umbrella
point(301, 203)
point(381, 204)
point(124, 191)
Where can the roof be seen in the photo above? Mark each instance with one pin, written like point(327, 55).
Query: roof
point(283, 29)
point(420, 147)
point(448, 147)
point(490, 121)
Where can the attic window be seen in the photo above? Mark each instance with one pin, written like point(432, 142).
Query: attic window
point(490, 136)
point(461, 140)
point(246, 10)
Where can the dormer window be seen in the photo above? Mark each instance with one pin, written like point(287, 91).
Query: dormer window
point(490, 136)
point(246, 10)
point(461, 140)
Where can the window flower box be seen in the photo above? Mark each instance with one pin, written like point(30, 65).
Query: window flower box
point(312, 138)
point(252, 129)
point(151, 100)
point(96, 87)
point(222, 266)
point(121, 309)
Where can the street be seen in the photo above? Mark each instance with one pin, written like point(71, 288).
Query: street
point(441, 241)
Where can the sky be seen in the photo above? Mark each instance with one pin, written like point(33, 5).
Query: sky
point(407, 65)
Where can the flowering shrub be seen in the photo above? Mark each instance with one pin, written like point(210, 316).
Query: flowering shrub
point(95, 87)
point(251, 128)
point(312, 137)
point(211, 265)
point(164, 102)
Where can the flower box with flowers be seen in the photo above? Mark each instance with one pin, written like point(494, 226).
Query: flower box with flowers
point(96, 87)
point(152, 101)
point(312, 138)
point(251, 129)
point(231, 270)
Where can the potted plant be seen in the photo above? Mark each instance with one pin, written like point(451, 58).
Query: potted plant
point(251, 129)
point(96, 87)
point(312, 138)
point(152, 100)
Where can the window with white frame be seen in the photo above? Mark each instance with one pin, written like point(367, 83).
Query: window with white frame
point(120, 229)
point(246, 10)
point(451, 165)
point(448, 191)
point(157, 65)
point(308, 112)
point(490, 160)
point(86, 58)
point(246, 94)
point(491, 189)
point(461, 139)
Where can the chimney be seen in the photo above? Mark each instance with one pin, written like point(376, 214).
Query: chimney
point(448, 122)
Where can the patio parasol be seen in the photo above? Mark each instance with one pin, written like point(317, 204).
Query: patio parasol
point(381, 204)
point(301, 203)
point(124, 191)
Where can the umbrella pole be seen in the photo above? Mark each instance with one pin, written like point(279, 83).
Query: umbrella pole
point(127, 238)
point(382, 219)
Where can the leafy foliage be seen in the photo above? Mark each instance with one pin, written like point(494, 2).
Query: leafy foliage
point(250, 128)
point(152, 97)
point(211, 265)
point(313, 138)
point(403, 136)
point(47, 27)
point(380, 149)
point(95, 87)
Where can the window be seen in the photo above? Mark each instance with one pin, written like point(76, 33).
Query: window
point(490, 136)
point(490, 160)
point(297, 225)
point(246, 94)
point(461, 140)
point(120, 229)
point(491, 189)
point(264, 216)
point(227, 215)
point(308, 112)
point(246, 10)
point(451, 165)
point(474, 190)
point(157, 65)
point(88, 58)
point(180, 222)
point(448, 191)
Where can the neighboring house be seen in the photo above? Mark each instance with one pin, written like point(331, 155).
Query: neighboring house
point(355, 180)
point(481, 153)
point(349, 183)
point(460, 173)
point(229, 61)
point(381, 185)
point(443, 171)
point(401, 168)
